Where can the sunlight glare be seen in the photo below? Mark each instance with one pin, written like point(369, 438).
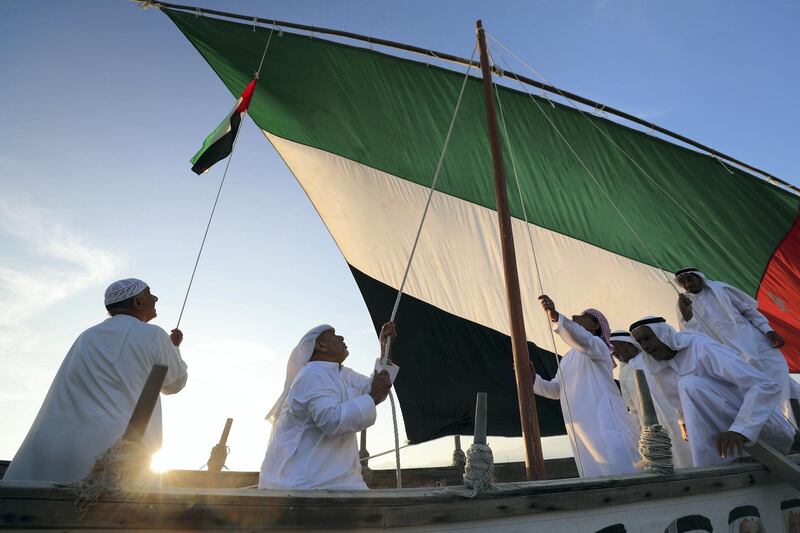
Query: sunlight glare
point(160, 462)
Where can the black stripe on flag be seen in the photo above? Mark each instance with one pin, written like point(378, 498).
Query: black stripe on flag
point(221, 148)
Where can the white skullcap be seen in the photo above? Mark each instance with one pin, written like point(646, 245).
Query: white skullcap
point(123, 289)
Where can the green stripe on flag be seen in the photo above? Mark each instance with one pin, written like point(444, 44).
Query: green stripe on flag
point(392, 114)
point(223, 128)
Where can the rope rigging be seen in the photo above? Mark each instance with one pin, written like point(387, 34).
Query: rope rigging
point(507, 140)
point(385, 356)
point(219, 191)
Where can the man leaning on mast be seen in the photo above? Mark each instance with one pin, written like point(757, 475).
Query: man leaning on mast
point(315, 419)
point(94, 392)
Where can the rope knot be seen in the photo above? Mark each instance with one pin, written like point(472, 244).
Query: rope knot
point(459, 459)
point(479, 471)
point(123, 467)
point(656, 450)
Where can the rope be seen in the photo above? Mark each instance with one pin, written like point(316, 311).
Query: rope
point(398, 471)
point(478, 473)
point(536, 267)
point(375, 455)
point(123, 466)
point(216, 198)
point(655, 448)
point(387, 345)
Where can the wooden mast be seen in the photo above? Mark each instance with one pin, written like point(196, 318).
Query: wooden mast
point(534, 463)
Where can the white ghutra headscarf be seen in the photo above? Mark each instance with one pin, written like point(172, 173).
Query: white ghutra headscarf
point(694, 523)
point(675, 340)
point(300, 356)
point(717, 290)
point(744, 515)
point(621, 335)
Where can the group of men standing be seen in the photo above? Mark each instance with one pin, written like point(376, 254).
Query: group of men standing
point(718, 384)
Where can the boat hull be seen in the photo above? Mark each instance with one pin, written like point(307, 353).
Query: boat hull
point(643, 503)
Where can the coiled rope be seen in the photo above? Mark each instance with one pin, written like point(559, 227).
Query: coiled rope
point(124, 466)
point(655, 447)
point(479, 469)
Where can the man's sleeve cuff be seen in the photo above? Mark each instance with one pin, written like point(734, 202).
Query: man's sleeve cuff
point(742, 430)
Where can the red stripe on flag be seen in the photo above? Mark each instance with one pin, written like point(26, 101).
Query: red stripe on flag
point(247, 95)
point(779, 294)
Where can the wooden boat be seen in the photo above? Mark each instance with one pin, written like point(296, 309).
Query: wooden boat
point(433, 499)
point(641, 503)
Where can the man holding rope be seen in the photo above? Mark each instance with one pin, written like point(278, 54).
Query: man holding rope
point(315, 420)
point(602, 433)
point(94, 392)
point(731, 317)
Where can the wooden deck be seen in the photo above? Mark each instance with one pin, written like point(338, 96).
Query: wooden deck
point(376, 479)
point(37, 505)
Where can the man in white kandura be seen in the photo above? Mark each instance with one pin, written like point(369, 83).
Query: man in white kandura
point(602, 433)
point(725, 403)
point(728, 315)
point(629, 354)
point(316, 418)
point(94, 392)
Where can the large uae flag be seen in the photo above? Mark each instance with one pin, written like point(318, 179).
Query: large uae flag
point(362, 131)
point(219, 143)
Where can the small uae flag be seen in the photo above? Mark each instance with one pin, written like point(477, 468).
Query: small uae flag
point(219, 143)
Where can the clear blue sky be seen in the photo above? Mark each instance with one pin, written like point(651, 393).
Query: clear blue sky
point(102, 105)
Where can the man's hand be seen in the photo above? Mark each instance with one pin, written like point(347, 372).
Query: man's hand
point(730, 443)
point(684, 435)
point(685, 306)
point(176, 336)
point(549, 307)
point(389, 330)
point(381, 384)
point(775, 339)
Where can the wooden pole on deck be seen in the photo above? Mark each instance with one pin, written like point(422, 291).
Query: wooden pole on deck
point(459, 457)
point(649, 416)
point(145, 405)
point(534, 462)
point(363, 454)
point(481, 409)
point(219, 453)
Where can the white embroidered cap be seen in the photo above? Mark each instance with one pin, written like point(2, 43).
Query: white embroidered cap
point(124, 289)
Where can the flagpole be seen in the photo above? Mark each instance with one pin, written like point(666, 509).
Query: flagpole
point(534, 461)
